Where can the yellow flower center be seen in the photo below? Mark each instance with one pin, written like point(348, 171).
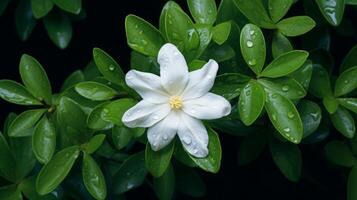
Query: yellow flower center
point(175, 102)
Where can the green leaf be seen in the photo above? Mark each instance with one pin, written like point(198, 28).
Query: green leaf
point(28, 188)
point(220, 32)
point(94, 143)
point(189, 182)
point(3, 6)
point(339, 153)
point(74, 78)
point(72, 6)
point(114, 111)
point(164, 185)
point(44, 140)
point(251, 102)
point(142, 36)
point(121, 136)
point(108, 67)
point(178, 28)
point(59, 28)
point(279, 8)
point(14, 92)
point(55, 171)
point(196, 64)
point(182, 156)
point(295, 26)
point(251, 148)
point(330, 103)
point(303, 74)
point(352, 184)
point(254, 10)
point(280, 45)
point(285, 118)
point(285, 64)
point(24, 123)
point(203, 11)
point(35, 78)
point(346, 82)
point(351, 2)
point(95, 121)
point(212, 162)
point(41, 8)
point(232, 90)
point(332, 10)
point(24, 21)
point(349, 60)
point(93, 178)
point(310, 114)
point(288, 159)
point(349, 103)
point(284, 86)
point(252, 45)
point(131, 173)
point(320, 85)
point(205, 36)
point(157, 162)
point(343, 121)
point(10, 192)
point(143, 63)
point(7, 161)
point(95, 91)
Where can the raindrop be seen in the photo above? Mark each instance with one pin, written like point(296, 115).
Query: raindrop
point(251, 32)
point(291, 115)
point(287, 130)
point(285, 88)
point(144, 42)
point(140, 32)
point(156, 117)
point(273, 116)
point(252, 62)
point(209, 77)
point(136, 26)
point(346, 81)
point(170, 21)
point(314, 115)
point(187, 140)
point(249, 43)
point(247, 93)
point(111, 67)
point(193, 111)
point(195, 150)
point(165, 137)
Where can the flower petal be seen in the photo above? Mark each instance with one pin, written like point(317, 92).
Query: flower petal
point(193, 136)
point(162, 133)
point(147, 85)
point(208, 106)
point(145, 114)
point(201, 80)
point(173, 69)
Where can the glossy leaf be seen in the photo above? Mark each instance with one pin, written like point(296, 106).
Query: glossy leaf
point(303, 74)
point(349, 60)
point(343, 121)
point(95, 121)
point(142, 36)
point(288, 159)
point(232, 90)
point(72, 6)
point(121, 136)
point(285, 64)
point(59, 28)
point(131, 174)
point(41, 8)
point(332, 10)
point(280, 45)
point(251, 102)
point(44, 140)
point(74, 78)
point(284, 86)
point(7, 160)
point(24, 20)
point(285, 118)
point(157, 162)
point(94, 143)
point(203, 11)
point(212, 162)
point(24, 123)
point(95, 91)
point(349, 103)
point(320, 85)
point(330, 103)
point(35, 78)
point(182, 156)
point(251, 148)
point(14, 92)
point(220, 32)
point(339, 153)
point(255, 11)
point(310, 114)
point(295, 26)
point(346, 82)
point(278, 8)
point(164, 185)
point(93, 178)
point(55, 171)
point(114, 111)
point(252, 45)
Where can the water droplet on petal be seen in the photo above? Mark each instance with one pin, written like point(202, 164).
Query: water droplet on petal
point(249, 43)
point(165, 137)
point(156, 117)
point(187, 140)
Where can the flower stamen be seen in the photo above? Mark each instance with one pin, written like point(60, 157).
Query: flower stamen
point(175, 102)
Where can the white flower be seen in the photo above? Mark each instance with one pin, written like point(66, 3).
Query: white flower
point(176, 102)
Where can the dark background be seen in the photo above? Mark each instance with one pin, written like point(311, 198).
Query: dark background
point(104, 28)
